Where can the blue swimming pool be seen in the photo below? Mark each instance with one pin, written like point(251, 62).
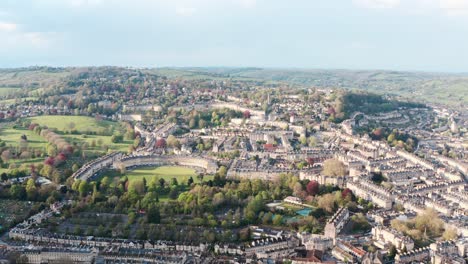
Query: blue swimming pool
point(304, 212)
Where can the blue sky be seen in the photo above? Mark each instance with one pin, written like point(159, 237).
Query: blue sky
point(424, 35)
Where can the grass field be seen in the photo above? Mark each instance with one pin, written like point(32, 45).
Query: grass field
point(12, 137)
point(7, 90)
point(182, 174)
point(106, 140)
point(83, 124)
point(17, 100)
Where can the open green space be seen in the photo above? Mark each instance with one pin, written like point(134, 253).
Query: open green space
point(4, 91)
point(182, 174)
point(12, 136)
point(99, 142)
point(17, 100)
point(83, 124)
point(87, 127)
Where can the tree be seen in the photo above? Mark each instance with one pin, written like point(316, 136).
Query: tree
point(192, 123)
point(137, 186)
point(49, 161)
point(173, 193)
point(160, 143)
point(83, 188)
point(190, 181)
point(6, 155)
point(334, 167)
point(153, 216)
point(18, 192)
point(360, 222)
point(429, 221)
point(246, 114)
point(347, 194)
point(202, 123)
point(162, 182)
point(392, 252)
point(313, 188)
point(450, 234)
point(31, 190)
point(174, 182)
point(312, 141)
point(222, 171)
point(327, 202)
point(172, 141)
point(105, 183)
point(116, 138)
point(303, 140)
point(277, 219)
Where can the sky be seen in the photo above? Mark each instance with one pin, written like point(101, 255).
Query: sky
point(417, 35)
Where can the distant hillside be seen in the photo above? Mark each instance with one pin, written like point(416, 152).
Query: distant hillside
point(450, 89)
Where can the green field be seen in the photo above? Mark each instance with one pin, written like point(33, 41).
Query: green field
point(106, 141)
point(4, 91)
point(84, 124)
point(182, 174)
point(97, 145)
point(12, 137)
point(17, 100)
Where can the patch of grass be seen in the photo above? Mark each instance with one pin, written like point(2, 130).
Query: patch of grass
point(83, 124)
point(182, 174)
point(17, 100)
point(12, 137)
point(105, 141)
point(4, 91)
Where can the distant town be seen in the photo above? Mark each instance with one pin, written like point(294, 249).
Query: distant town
point(129, 165)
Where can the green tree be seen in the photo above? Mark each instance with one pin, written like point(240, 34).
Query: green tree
point(222, 171)
point(153, 216)
point(31, 189)
point(83, 188)
point(334, 167)
point(18, 192)
point(277, 219)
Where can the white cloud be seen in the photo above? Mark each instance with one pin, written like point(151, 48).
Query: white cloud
point(418, 7)
point(454, 7)
point(82, 3)
point(13, 36)
point(185, 11)
point(8, 27)
point(248, 3)
point(377, 3)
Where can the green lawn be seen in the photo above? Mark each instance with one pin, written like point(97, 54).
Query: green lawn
point(84, 124)
point(12, 137)
point(106, 140)
point(182, 174)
